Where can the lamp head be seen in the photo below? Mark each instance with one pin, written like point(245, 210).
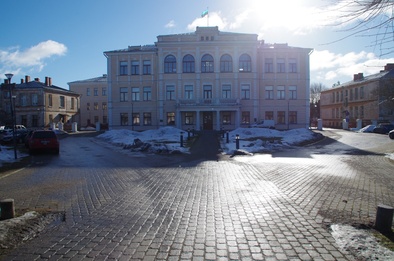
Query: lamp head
point(9, 76)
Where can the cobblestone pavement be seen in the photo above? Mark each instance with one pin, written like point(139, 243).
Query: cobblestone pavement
point(122, 206)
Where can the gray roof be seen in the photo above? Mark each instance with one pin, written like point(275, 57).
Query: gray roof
point(36, 84)
point(369, 78)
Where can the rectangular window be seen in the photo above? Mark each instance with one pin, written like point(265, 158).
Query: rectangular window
point(49, 100)
point(170, 92)
point(104, 106)
point(280, 92)
point(62, 102)
point(207, 91)
point(135, 68)
point(245, 92)
point(226, 91)
point(135, 94)
point(34, 121)
point(189, 119)
point(95, 106)
point(245, 117)
point(124, 94)
point(361, 112)
point(124, 119)
point(95, 91)
point(281, 117)
point(292, 65)
point(351, 95)
point(269, 65)
point(293, 92)
point(72, 103)
point(170, 118)
point(105, 119)
point(333, 113)
point(188, 91)
point(281, 67)
point(88, 106)
point(269, 92)
point(226, 118)
point(23, 100)
point(292, 117)
point(87, 91)
point(123, 68)
point(333, 97)
point(147, 93)
point(146, 69)
point(147, 118)
point(96, 119)
point(136, 119)
point(269, 115)
point(34, 99)
point(361, 92)
point(356, 93)
point(104, 91)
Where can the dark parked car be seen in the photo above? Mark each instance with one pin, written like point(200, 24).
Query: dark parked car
point(43, 141)
point(8, 136)
point(383, 128)
point(391, 134)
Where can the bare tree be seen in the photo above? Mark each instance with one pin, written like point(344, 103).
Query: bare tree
point(315, 91)
point(368, 18)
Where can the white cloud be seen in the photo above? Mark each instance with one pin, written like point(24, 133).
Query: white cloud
point(331, 67)
point(170, 24)
point(16, 60)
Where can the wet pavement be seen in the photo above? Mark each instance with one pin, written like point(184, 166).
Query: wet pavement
point(128, 206)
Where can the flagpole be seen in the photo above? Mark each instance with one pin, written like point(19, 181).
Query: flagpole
point(208, 18)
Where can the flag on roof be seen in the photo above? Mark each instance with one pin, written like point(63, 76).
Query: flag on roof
point(204, 13)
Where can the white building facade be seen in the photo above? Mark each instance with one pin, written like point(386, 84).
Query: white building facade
point(208, 80)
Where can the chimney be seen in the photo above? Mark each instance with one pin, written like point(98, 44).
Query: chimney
point(49, 81)
point(22, 81)
point(360, 76)
point(46, 81)
point(27, 78)
point(355, 77)
point(37, 79)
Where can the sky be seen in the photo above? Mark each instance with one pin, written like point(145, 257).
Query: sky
point(65, 40)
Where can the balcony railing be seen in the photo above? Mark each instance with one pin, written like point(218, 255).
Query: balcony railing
point(207, 102)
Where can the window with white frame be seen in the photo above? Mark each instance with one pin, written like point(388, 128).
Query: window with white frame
point(226, 63)
point(280, 92)
point(207, 91)
point(170, 92)
point(146, 69)
point(170, 118)
point(135, 94)
point(189, 119)
point(188, 92)
point(170, 64)
point(87, 91)
point(293, 92)
point(147, 118)
point(123, 68)
point(207, 63)
point(188, 64)
point(245, 92)
point(124, 119)
point(95, 92)
point(269, 65)
point(245, 63)
point(280, 65)
point(62, 101)
point(147, 93)
point(104, 91)
point(226, 91)
point(269, 92)
point(123, 94)
point(292, 65)
point(34, 99)
point(135, 67)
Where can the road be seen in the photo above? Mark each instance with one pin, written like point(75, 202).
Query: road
point(128, 206)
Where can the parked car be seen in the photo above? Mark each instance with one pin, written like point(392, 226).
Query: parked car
point(270, 124)
point(383, 128)
point(391, 134)
point(43, 141)
point(8, 136)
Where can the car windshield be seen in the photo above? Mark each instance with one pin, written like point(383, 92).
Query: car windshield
point(44, 134)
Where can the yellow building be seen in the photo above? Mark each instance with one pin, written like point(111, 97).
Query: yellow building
point(94, 99)
point(365, 99)
point(38, 104)
point(208, 80)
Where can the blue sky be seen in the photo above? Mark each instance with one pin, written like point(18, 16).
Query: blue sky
point(65, 40)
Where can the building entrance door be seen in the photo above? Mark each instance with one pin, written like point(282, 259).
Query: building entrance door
point(207, 120)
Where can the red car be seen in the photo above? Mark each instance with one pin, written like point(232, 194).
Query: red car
point(43, 140)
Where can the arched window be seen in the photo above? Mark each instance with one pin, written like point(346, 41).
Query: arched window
point(207, 63)
point(188, 64)
point(226, 63)
point(170, 64)
point(245, 63)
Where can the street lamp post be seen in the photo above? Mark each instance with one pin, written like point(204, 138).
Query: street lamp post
point(13, 114)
